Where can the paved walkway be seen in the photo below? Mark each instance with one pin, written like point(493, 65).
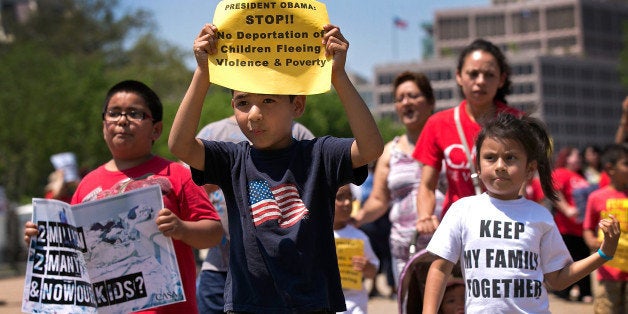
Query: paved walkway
point(11, 289)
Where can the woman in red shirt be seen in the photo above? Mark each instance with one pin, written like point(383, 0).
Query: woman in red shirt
point(567, 181)
point(483, 75)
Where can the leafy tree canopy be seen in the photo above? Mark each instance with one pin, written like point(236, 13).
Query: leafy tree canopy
point(61, 64)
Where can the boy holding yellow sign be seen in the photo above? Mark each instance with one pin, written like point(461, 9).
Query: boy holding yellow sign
point(356, 258)
point(612, 292)
point(279, 191)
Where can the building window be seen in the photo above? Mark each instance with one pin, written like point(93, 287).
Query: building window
point(564, 43)
point(549, 90)
point(432, 75)
point(443, 94)
point(588, 110)
point(386, 98)
point(605, 75)
point(550, 109)
point(439, 75)
point(561, 18)
point(444, 75)
point(528, 46)
point(554, 128)
point(568, 73)
point(549, 70)
point(522, 69)
point(570, 110)
point(568, 91)
point(600, 20)
point(528, 107)
point(385, 79)
point(572, 128)
point(586, 74)
point(588, 93)
point(609, 129)
point(453, 28)
point(523, 88)
point(526, 21)
point(490, 25)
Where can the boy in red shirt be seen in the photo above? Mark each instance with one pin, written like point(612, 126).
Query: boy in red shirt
point(612, 292)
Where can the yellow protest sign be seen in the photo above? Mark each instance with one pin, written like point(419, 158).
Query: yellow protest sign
point(618, 207)
point(345, 250)
point(271, 47)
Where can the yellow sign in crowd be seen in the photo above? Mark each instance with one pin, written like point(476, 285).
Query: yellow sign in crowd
point(619, 208)
point(346, 249)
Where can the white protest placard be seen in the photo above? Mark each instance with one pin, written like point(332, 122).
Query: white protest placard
point(103, 256)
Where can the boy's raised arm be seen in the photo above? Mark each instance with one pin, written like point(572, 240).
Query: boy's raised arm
point(182, 140)
point(368, 144)
point(563, 278)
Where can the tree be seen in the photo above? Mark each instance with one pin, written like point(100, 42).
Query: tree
point(156, 63)
point(62, 62)
point(47, 110)
point(55, 76)
point(324, 114)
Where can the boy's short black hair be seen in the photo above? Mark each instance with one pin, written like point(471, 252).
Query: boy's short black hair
point(613, 153)
point(149, 96)
point(292, 97)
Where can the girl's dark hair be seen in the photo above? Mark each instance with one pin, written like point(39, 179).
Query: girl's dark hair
point(139, 88)
point(562, 155)
point(596, 149)
point(504, 68)
point(420, 80)
point(533, 136)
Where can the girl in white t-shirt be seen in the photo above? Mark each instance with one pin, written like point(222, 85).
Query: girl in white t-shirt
point(509, 247)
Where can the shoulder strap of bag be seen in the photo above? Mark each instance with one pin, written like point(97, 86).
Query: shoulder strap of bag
point(463, 139)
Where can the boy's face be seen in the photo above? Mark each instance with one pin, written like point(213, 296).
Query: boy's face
point(126, 137)
point(619, 173)
point(344, 204)
point(266, 120)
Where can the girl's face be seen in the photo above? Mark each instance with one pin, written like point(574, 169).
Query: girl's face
point(411, 105)
point(453, 300)
point(504, 168)
point(574, 162)
point(591, 157)
point(480, 78)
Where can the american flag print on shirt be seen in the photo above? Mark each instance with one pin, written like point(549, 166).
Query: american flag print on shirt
point(282, 203)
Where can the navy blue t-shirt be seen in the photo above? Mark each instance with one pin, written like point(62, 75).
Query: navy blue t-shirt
point(281, 210)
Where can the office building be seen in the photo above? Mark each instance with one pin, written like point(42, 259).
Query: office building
point(564, 56)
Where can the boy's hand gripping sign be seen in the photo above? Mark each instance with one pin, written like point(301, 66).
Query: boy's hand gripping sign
point(271, 47)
